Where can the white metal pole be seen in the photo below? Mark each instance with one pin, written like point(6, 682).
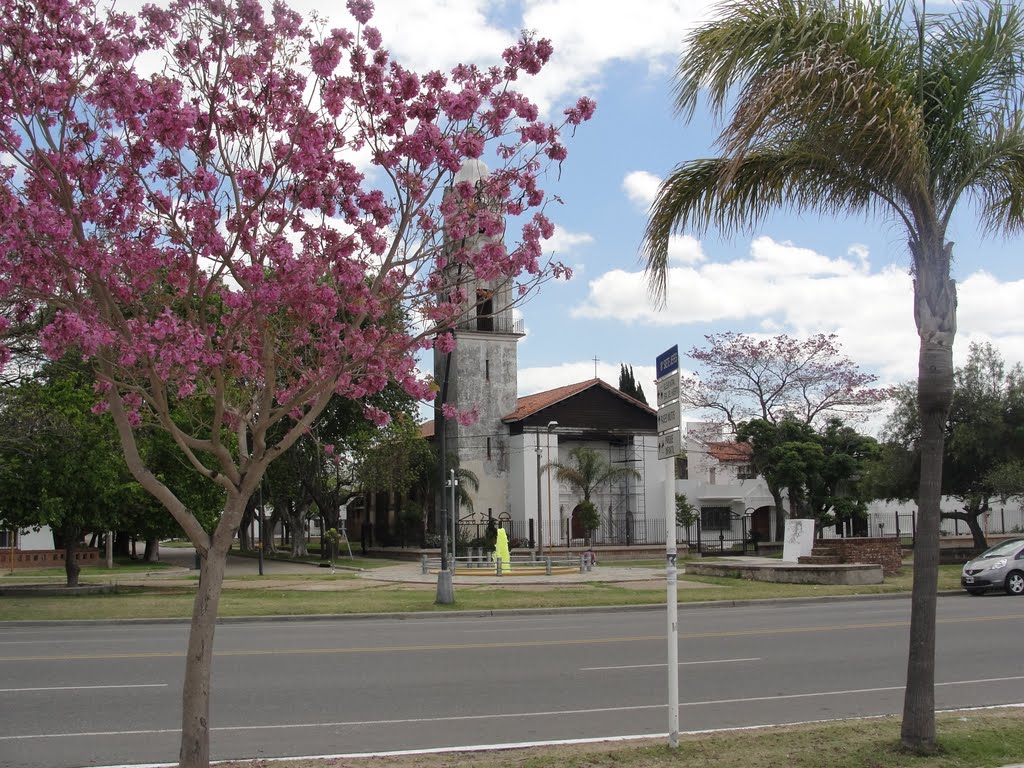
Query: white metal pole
point(672, 598)
point(454, 517)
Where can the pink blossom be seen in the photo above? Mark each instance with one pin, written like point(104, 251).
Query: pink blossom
point(444, 342)
point(584, 110)
point(361, 10)
point(324, 57)
point(372, 37)
point(379, 417)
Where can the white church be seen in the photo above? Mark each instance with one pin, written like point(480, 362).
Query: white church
point(514, 439)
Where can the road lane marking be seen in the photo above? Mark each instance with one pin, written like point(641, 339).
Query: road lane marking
point(495, 716)
point(510, 644)
point(82, 687)
point(681, 664)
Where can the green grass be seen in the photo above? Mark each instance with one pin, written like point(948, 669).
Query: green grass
point(98, 572)
point(983, 739)
point(243, 597)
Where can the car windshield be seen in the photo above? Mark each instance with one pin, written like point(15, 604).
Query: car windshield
point(1006, 548)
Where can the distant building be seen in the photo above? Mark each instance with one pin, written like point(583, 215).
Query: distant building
point(514, 438)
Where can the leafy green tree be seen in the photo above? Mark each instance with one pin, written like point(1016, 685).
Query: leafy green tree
point(686, 513)
point(589, 518)
point(847, 107)
point(984, 439)
point(821, 471)
point(428, 488)
point(628, 384)
point(587, 472)
point(60, 464)
point(393, 460)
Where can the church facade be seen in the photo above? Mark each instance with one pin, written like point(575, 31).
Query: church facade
point(514, 440)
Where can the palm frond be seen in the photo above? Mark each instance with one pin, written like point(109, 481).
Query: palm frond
point(997, 177)
point(747, 39)
point(972, 81)
point(735, 196)
point(844, 110)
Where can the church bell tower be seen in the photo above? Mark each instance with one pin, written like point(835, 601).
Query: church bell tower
point(481, 373)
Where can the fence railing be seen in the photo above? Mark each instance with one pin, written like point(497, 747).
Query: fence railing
point(481, 563)
point(520, 533)
point(628, 530)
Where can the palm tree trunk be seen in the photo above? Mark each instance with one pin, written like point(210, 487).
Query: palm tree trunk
point(935, 313)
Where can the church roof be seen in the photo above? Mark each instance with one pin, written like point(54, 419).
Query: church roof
point(531, 404)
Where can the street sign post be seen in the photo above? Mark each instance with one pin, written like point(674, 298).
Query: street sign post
point(667, 367)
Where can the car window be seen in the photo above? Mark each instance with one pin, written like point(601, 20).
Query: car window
point(1006, 548)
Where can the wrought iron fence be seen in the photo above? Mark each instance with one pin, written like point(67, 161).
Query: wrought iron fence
point(520, 532)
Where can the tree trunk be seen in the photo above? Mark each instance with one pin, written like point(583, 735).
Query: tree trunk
point(152, 553)
point(268, 525)
point(195, 697)
point(295, 522)
point(780, 513)
point(71, 568)
point(935, 314)
point(973, 521)
point(122, 544)
point(245, 527)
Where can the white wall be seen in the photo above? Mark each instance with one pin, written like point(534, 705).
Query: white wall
point(29, 539)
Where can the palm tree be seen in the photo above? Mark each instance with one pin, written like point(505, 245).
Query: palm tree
point(587, 472)
point(849, 107)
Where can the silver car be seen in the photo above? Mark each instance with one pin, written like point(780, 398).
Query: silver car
point(999, 567)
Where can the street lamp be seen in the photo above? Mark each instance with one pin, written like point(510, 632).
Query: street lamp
point(748, 522)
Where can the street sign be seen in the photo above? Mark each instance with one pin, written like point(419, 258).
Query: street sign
point(668, 416)
point(668, 445)
point(668, 389)
point(667, 362)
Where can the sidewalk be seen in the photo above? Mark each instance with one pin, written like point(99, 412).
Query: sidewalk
point(278, 572)
point(411, 573)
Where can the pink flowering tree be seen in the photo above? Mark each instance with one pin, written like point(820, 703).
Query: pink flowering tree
point(743, 380)
point(227, 211)
point(741, 377)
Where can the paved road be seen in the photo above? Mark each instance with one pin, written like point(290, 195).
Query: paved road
point(101, 695)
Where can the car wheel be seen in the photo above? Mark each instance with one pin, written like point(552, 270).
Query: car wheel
point(975, 592)
point(1015, 583)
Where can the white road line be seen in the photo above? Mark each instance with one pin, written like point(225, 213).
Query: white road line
point(82, 687)
point(526, 744)
point(499, 716)
point(681, 664)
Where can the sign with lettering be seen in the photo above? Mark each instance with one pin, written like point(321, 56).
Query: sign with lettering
point(668, 445)
point(668, 389)
point(668, 416)
point(667, 362)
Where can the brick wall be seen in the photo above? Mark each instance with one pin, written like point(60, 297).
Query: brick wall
point(884, 551)
point(45, 558)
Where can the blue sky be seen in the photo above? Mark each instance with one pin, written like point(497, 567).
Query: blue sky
point(797, 274)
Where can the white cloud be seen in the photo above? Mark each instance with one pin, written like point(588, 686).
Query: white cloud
point(783, 288)
point(685, 249)
point(641, 188)
point(563, 242)
point(541, 378)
